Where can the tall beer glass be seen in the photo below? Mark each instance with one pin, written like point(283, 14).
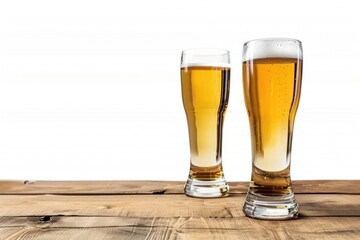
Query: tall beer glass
point(272, 70)
point(205, 81)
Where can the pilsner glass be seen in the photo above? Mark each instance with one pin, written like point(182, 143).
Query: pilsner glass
point(272, 70)
point(205, 82)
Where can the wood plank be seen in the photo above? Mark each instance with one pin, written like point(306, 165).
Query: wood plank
point(159, 210)
point(327, 186)
point(313, 205)
point(177, 228)
point(158, 187)
point(90, 187)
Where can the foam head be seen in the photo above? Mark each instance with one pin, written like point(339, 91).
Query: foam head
point(210, 57)
point(272, 48)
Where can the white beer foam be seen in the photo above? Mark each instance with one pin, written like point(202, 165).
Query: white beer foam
point(272, 47)
point(226, 65)
point(206, 57)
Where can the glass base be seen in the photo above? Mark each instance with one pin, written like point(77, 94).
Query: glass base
point(271, 207)
point(206, 189)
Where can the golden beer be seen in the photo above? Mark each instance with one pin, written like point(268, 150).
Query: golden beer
point(272, 73)
point(205, 93)
point(272, 92)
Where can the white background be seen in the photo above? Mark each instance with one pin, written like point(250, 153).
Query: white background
point(91, 89)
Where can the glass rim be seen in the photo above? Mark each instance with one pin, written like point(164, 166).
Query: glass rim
point(272, 48)
point(209, 57)
point(273, 39)
point(206, 51)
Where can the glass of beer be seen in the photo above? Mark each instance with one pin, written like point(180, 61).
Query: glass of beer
point(205, 82)
point(272, 70)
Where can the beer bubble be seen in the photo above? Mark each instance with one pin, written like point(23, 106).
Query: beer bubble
point(272, 48)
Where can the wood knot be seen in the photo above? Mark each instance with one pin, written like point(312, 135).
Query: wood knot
point(104, 207)
point(159, 192)
point(28, 182)
point(45, 219)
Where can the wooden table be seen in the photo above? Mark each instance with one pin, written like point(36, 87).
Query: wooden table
point(159, 210)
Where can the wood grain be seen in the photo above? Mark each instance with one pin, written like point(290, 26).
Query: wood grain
point(159, 210)
point(166, 205)
point(177, 228)
point(158, 187)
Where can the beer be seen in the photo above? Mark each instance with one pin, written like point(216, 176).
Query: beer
point(272, 69)
point(205, 79)
point(205, 93)
point(272, 93)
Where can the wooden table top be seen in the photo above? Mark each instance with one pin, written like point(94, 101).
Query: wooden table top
point(159, 210)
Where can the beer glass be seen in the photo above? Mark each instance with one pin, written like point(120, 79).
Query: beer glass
point(205, 82)
point(272, 70)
